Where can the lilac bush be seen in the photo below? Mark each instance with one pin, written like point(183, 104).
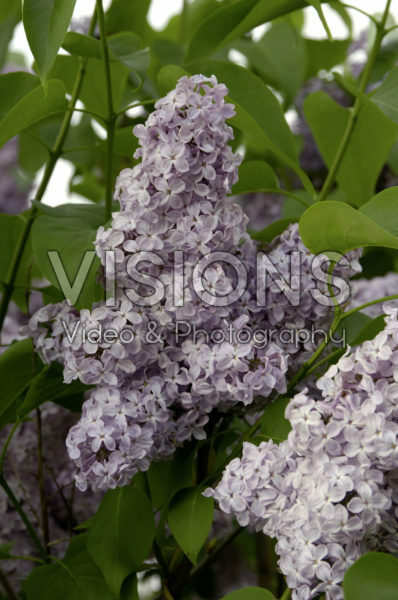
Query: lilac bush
point(227, 263)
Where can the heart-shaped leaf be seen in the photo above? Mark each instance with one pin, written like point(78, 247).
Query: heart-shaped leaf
point(46, 23)
point(190, 516)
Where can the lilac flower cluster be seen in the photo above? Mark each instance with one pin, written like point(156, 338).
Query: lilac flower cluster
point(153, 394)
point(307, 309)
point(329, 493)
point(367, 290)
point(157, 391)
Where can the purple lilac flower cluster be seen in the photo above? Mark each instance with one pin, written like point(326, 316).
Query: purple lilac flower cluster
point(151, 397)
point(308, 309)
point(329, 493)
point(157, 391)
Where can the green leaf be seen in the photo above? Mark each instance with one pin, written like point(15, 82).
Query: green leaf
point(18, 358)
point(374, 575)
point(129, 16)
point(89, 213)
point(79, 44)
point(370, 143)
point(7, 26)
point(250, 593)
point(23, 102)
point(121, 534)
point(282, 58)
point(93, 90)
point(272, 231)
point(338, 227)
point(76, 545)
point(125, 143)
point(190, 517)
point(383, 209)
point(254, 176)
point(166, 478)
point(129, 589)
point(13, 87)
point(125, 46)
point(32, 155)
point(77, 578)
point(274, 425)
point(164, 53)
point(71, 232)
point(233, 20)
point(385, 96)
point(292, 208)
point(5, 550)
point(168, 77)
point(85, 525)
point(370, 330)
point(11, 227)
point(324, 54)
point(46, 23)
point(7, 9)
point(353, 326)
point(198, 11)
point(88, 186)
point(258, 112)
point(48, 386)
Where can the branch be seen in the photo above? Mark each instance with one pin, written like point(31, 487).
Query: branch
point(11, 595)
point(110, 125)
point(43, 499)
point(381, 32)
point(55, 154)
point(24, 517)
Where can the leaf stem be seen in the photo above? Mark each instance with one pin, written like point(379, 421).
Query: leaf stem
point(7, 443)
point(363, 12)
point(323, 360)
point(55, 154)
point(111, 122)
point(43, 499)
point(11, 595)
point(371, 303)
point(28, 558)
point(381, 32)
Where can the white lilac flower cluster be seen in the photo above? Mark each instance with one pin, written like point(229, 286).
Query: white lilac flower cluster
point(157, 391)
point(329, 493)
point(367, 290)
